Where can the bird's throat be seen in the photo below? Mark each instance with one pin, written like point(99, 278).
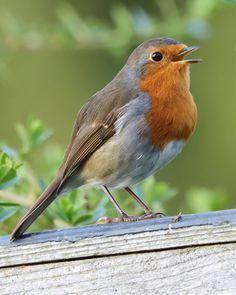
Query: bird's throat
point(173, 113)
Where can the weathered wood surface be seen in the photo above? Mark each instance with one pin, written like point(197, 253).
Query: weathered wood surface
point(208, 270)
point(196, 255)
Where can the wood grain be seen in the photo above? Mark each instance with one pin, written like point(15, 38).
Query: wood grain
point(104, 240)
point(195, 270)
point(196, 255)
point(104, 246)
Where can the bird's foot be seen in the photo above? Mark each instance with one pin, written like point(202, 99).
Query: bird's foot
point(105, 219)
point(127, 218)
point(151, 215)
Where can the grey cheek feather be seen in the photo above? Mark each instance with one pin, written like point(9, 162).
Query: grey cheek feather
point(132, 72)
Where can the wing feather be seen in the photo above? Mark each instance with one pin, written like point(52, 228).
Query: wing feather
point(94, 125)
point(82, 149)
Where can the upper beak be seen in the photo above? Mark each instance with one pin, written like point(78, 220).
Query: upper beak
point(184, 51)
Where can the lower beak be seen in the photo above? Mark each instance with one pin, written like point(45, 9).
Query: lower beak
point(185, 51)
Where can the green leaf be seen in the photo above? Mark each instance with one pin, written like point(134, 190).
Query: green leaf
point(12, 153)
point(82, 219)
point(8, 171)
point(32, 135)
point(10, 183)
point(7, 204)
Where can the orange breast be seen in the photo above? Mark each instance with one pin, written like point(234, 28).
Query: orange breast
point(173, 113)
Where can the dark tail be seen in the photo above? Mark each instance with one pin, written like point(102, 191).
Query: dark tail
point(42, 203)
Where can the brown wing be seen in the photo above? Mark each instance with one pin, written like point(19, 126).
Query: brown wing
point(101, 112)
point(82, 147)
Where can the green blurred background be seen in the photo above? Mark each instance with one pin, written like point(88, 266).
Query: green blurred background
point(55, 54)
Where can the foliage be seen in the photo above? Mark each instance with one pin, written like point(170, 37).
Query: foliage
point(202, 199)
point(7, 210)
point(127, 26)
point(20, 186)
point(8, 171)
point(32, 135)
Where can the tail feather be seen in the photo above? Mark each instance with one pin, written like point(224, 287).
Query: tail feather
point(47, 197)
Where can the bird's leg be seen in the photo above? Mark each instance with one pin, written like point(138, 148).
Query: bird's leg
point(122, 215)
point(119, 211)
point(139, 201)
point(148, 212)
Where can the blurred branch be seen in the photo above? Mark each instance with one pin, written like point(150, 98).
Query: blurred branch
point(21, 200)
point(127, 26)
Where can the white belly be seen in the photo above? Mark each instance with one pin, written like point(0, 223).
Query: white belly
point(133, 162)
point(142, 165)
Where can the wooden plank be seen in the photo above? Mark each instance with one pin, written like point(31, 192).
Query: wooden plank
point(196, 270)
point(118, 238)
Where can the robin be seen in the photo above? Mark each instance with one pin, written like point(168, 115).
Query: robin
point(130, 129)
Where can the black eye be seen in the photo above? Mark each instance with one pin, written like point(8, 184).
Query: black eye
point(157, 56)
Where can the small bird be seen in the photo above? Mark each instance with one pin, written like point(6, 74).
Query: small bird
point(129, 130)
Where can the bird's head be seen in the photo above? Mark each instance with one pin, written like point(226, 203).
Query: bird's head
point(162, 58)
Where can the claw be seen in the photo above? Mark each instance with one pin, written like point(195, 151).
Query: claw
point(152, 215)
point(176, 218)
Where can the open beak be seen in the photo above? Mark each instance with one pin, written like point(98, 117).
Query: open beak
point(185, 51)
